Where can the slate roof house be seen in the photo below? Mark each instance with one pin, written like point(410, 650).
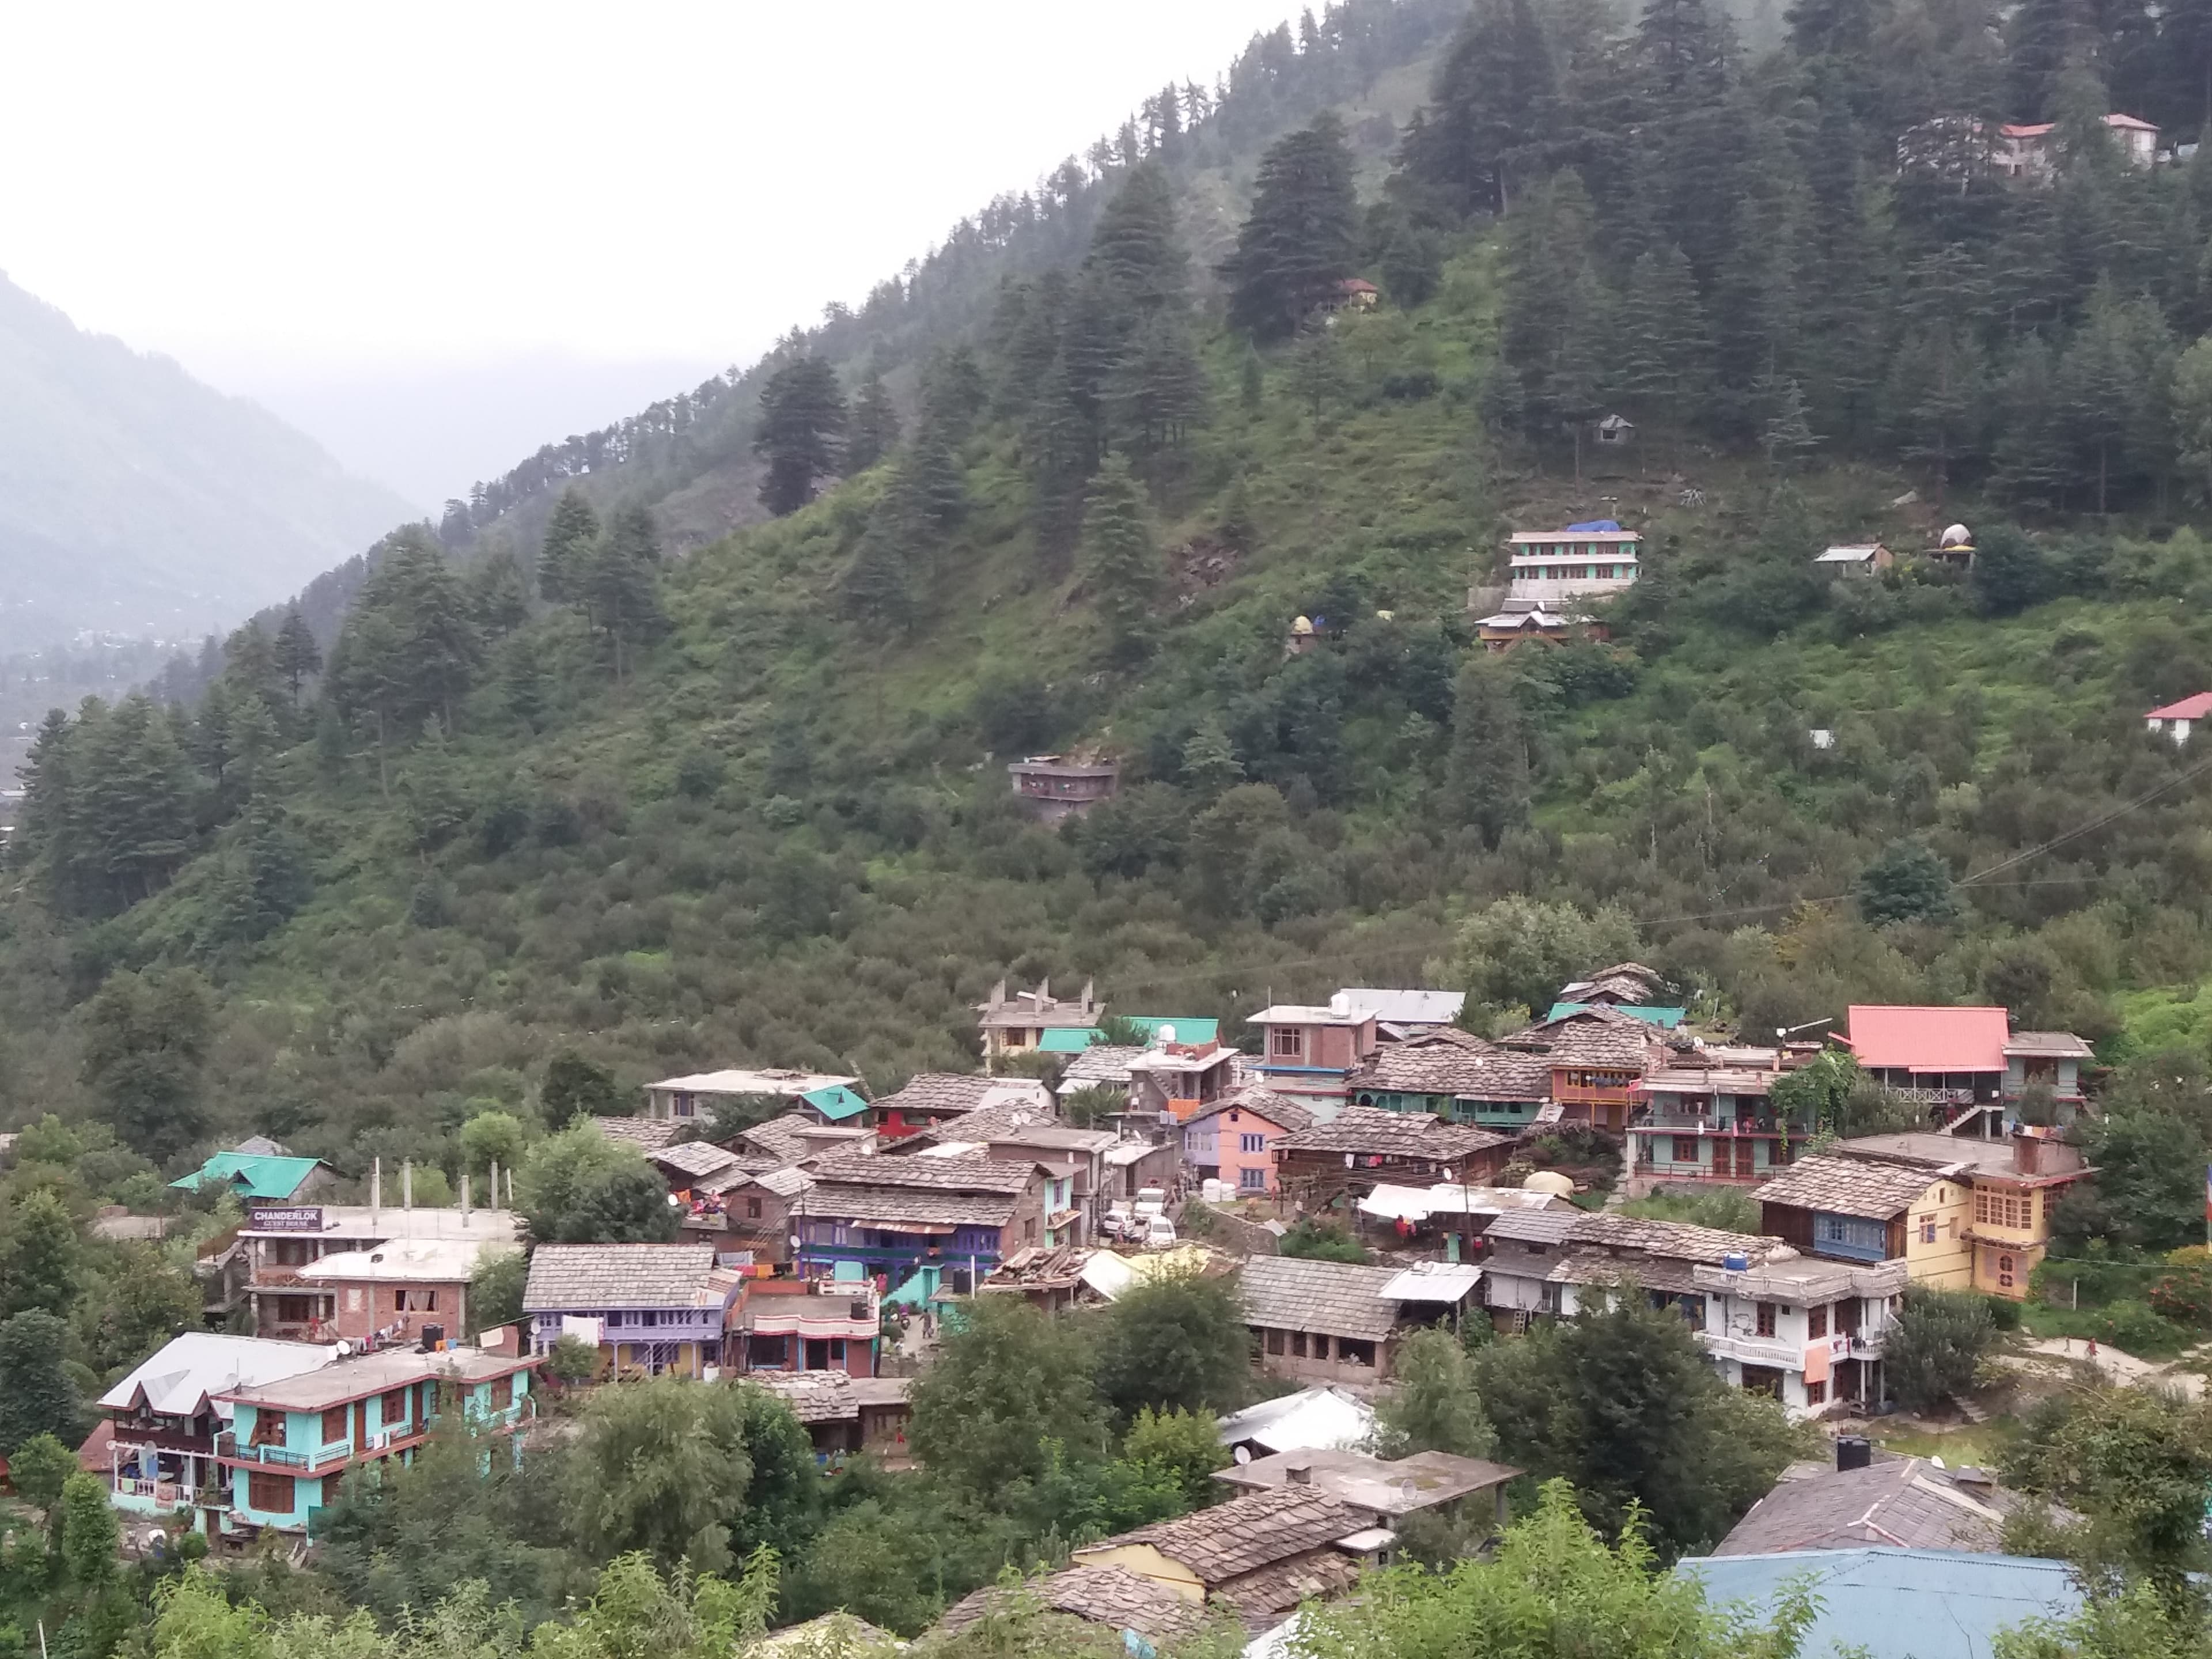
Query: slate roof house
point(1457, 1076)
point(892, 1215)
point(1235, 1138)
point(1364, 1146)
point(1543, 1261)
point(1341, 1322)
point(683, 1099)
point(845, 1413)
point(1905, 1502)
point(1113, 1597)
point(648, 1308)
point(1263, 1554)
point(932, 1099)
point(1384, 1491)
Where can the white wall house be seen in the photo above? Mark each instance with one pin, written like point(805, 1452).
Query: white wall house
point(1582, 561)
point(1809, 1332)
point(2178, 720)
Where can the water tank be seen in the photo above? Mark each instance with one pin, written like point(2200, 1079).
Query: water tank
point(1854, 1451)
point(1736, 1261)
point(432, 1336)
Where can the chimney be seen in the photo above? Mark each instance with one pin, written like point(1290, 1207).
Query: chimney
point(406, 1183)
point(2026, 1153)
point(375, 1188)
point(1090, 994)
point(1299, 1474)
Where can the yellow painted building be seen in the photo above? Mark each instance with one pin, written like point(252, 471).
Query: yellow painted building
point(1993, 1237)
point(1939, 1249)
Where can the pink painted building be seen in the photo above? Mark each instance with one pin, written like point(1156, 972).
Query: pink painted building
point(1233, 1139)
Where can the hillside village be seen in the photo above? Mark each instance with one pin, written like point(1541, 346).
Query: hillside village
point(825, 1251)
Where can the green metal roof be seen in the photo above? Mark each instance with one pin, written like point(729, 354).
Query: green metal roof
point(1069, 1039)
point(253, 1174)
point(1665, 1019)
point(1889, 1603)
point(836, 1102)
point(1185, 1031)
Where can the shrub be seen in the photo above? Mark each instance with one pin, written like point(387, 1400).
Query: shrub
point(1320, 1241)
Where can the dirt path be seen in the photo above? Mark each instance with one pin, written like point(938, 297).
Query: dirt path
point(2124, 1368)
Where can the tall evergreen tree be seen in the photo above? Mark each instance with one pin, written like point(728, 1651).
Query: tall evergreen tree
point(569, 536)
point(1490, 112)
point(1301, 239)
point(618, 588)
point(298, 656)
point(2043, 40)
point(1555, 317)
point(875, 424)
point(1666, 346)
point(1120, 558)
point(802, 420)
point(1488, 773)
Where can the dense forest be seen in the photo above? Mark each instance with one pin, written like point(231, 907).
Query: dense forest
point(555, 784)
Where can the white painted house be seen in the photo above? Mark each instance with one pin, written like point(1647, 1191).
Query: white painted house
point(1590, 560)
point(2178, 720)
point(1810, 1332)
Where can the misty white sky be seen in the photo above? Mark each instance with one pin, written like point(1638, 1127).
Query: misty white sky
point(367, 216)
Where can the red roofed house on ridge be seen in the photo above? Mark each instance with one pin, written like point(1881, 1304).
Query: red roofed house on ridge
point(2176, 719)
point(1963, 1063)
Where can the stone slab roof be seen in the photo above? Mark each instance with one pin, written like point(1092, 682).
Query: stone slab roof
point(1907, 1502)
point(1267, 1593)
point(944, 1174)
point(1279, 1110)
point(780, 1137)
point(649, 1134)
point(1873, 1189)
point(1391, 1487)
point(845, 1201)
point(1112, 1596)
point(564, 1278)
point(830, 1396)
point(694, 1157)
point(1373, 1131)
point(1337, 1299)
point(1261, 1530)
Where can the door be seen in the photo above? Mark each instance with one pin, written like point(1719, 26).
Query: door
point(818, 1354)
point(1743, 1167)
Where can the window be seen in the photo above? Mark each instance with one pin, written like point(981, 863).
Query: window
point(1251, 1143)
point(395, 1408)
point(334, 1425)
point(2016, 1210)
point(684, 1105)
point(268, 1429)
point(1927, 1230)
point(1274, 1342)
point(1287, 1042)
point(1353, 1352)
point(1816, 1394)
point(271, 1494)
point(752, 1209)
point(1030, 1230)
point(1686, 1150)
point(1766, 1317)
point(353, 1298)
point(502, 1393)
point(1816, 1321)
point(1297, 1344)
point(1252, 1179)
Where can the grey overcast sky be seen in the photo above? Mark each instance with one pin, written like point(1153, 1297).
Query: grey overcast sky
point(438, 234)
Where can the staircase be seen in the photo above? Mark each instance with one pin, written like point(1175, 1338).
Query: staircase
point(1974, 1413)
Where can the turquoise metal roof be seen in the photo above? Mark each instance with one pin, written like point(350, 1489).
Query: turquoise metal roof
point(836, 1102)
point(253, 1174)
point(1665, 1019)
point(1185, 1031)
point(1069, 1039)
point(1897, 1604)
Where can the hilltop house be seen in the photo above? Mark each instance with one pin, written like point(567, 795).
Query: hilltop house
point(158, 1428)
point(1592, 559)
point(1383, 1492)
point(2178, 720)
point(1966, 1065)
point(1054, 787)
point(1707, 1115)
point(1548, 1262)
point(1174, 1079)
point(1350, 1153)
point(1017, 1134)
point(648, 1308)
point(1855, 559)
point(293, 1440)
point(262, 1178)
point(1312, 1054)
point(2029, 151)
point(1521, 620)
point(1234, 1137)
point(782, 1324)
point(1596, 1057)
point(2011, 1191)
point(399, 1291)
point(1019, 1022)
point(680, 1100)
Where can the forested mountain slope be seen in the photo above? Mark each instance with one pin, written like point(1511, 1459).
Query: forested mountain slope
point(751, 805)
point(134, 500)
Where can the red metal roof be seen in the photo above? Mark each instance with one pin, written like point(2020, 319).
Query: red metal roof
point(2188, 709)
point(1929, 1039)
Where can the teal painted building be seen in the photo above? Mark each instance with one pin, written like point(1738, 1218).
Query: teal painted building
point(293, 1443)
point(1461, 1078)
point(263, 1179)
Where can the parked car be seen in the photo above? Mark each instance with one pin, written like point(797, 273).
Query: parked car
point(1119, 1222)
point(1152, 1201)
point(1159, 1233)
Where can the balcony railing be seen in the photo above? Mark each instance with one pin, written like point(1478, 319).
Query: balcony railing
point(1771, 1350)
point(334, 1451)
point(1663, 1117)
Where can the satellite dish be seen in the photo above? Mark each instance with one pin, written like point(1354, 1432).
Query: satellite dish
point(1242, 1455)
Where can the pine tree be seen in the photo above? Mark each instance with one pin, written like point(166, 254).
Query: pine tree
point(1135, 249)
point(875, 587)
point(499, 601)
point(1156, 393)
point(2043, 40)
point(1488, 770)
point(2028, 460)
point(618, 585)
point(2111, 388)
point(1301, 239)
point(298, 656)
point(570, 534)
point(1121, 559)
point(1785, 435)
point(1210, 766)
point(1666, 363)
point(875, 424)
point(1252, 381)
point(1556, 315)
point(802, 419)
point(1490, 113)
